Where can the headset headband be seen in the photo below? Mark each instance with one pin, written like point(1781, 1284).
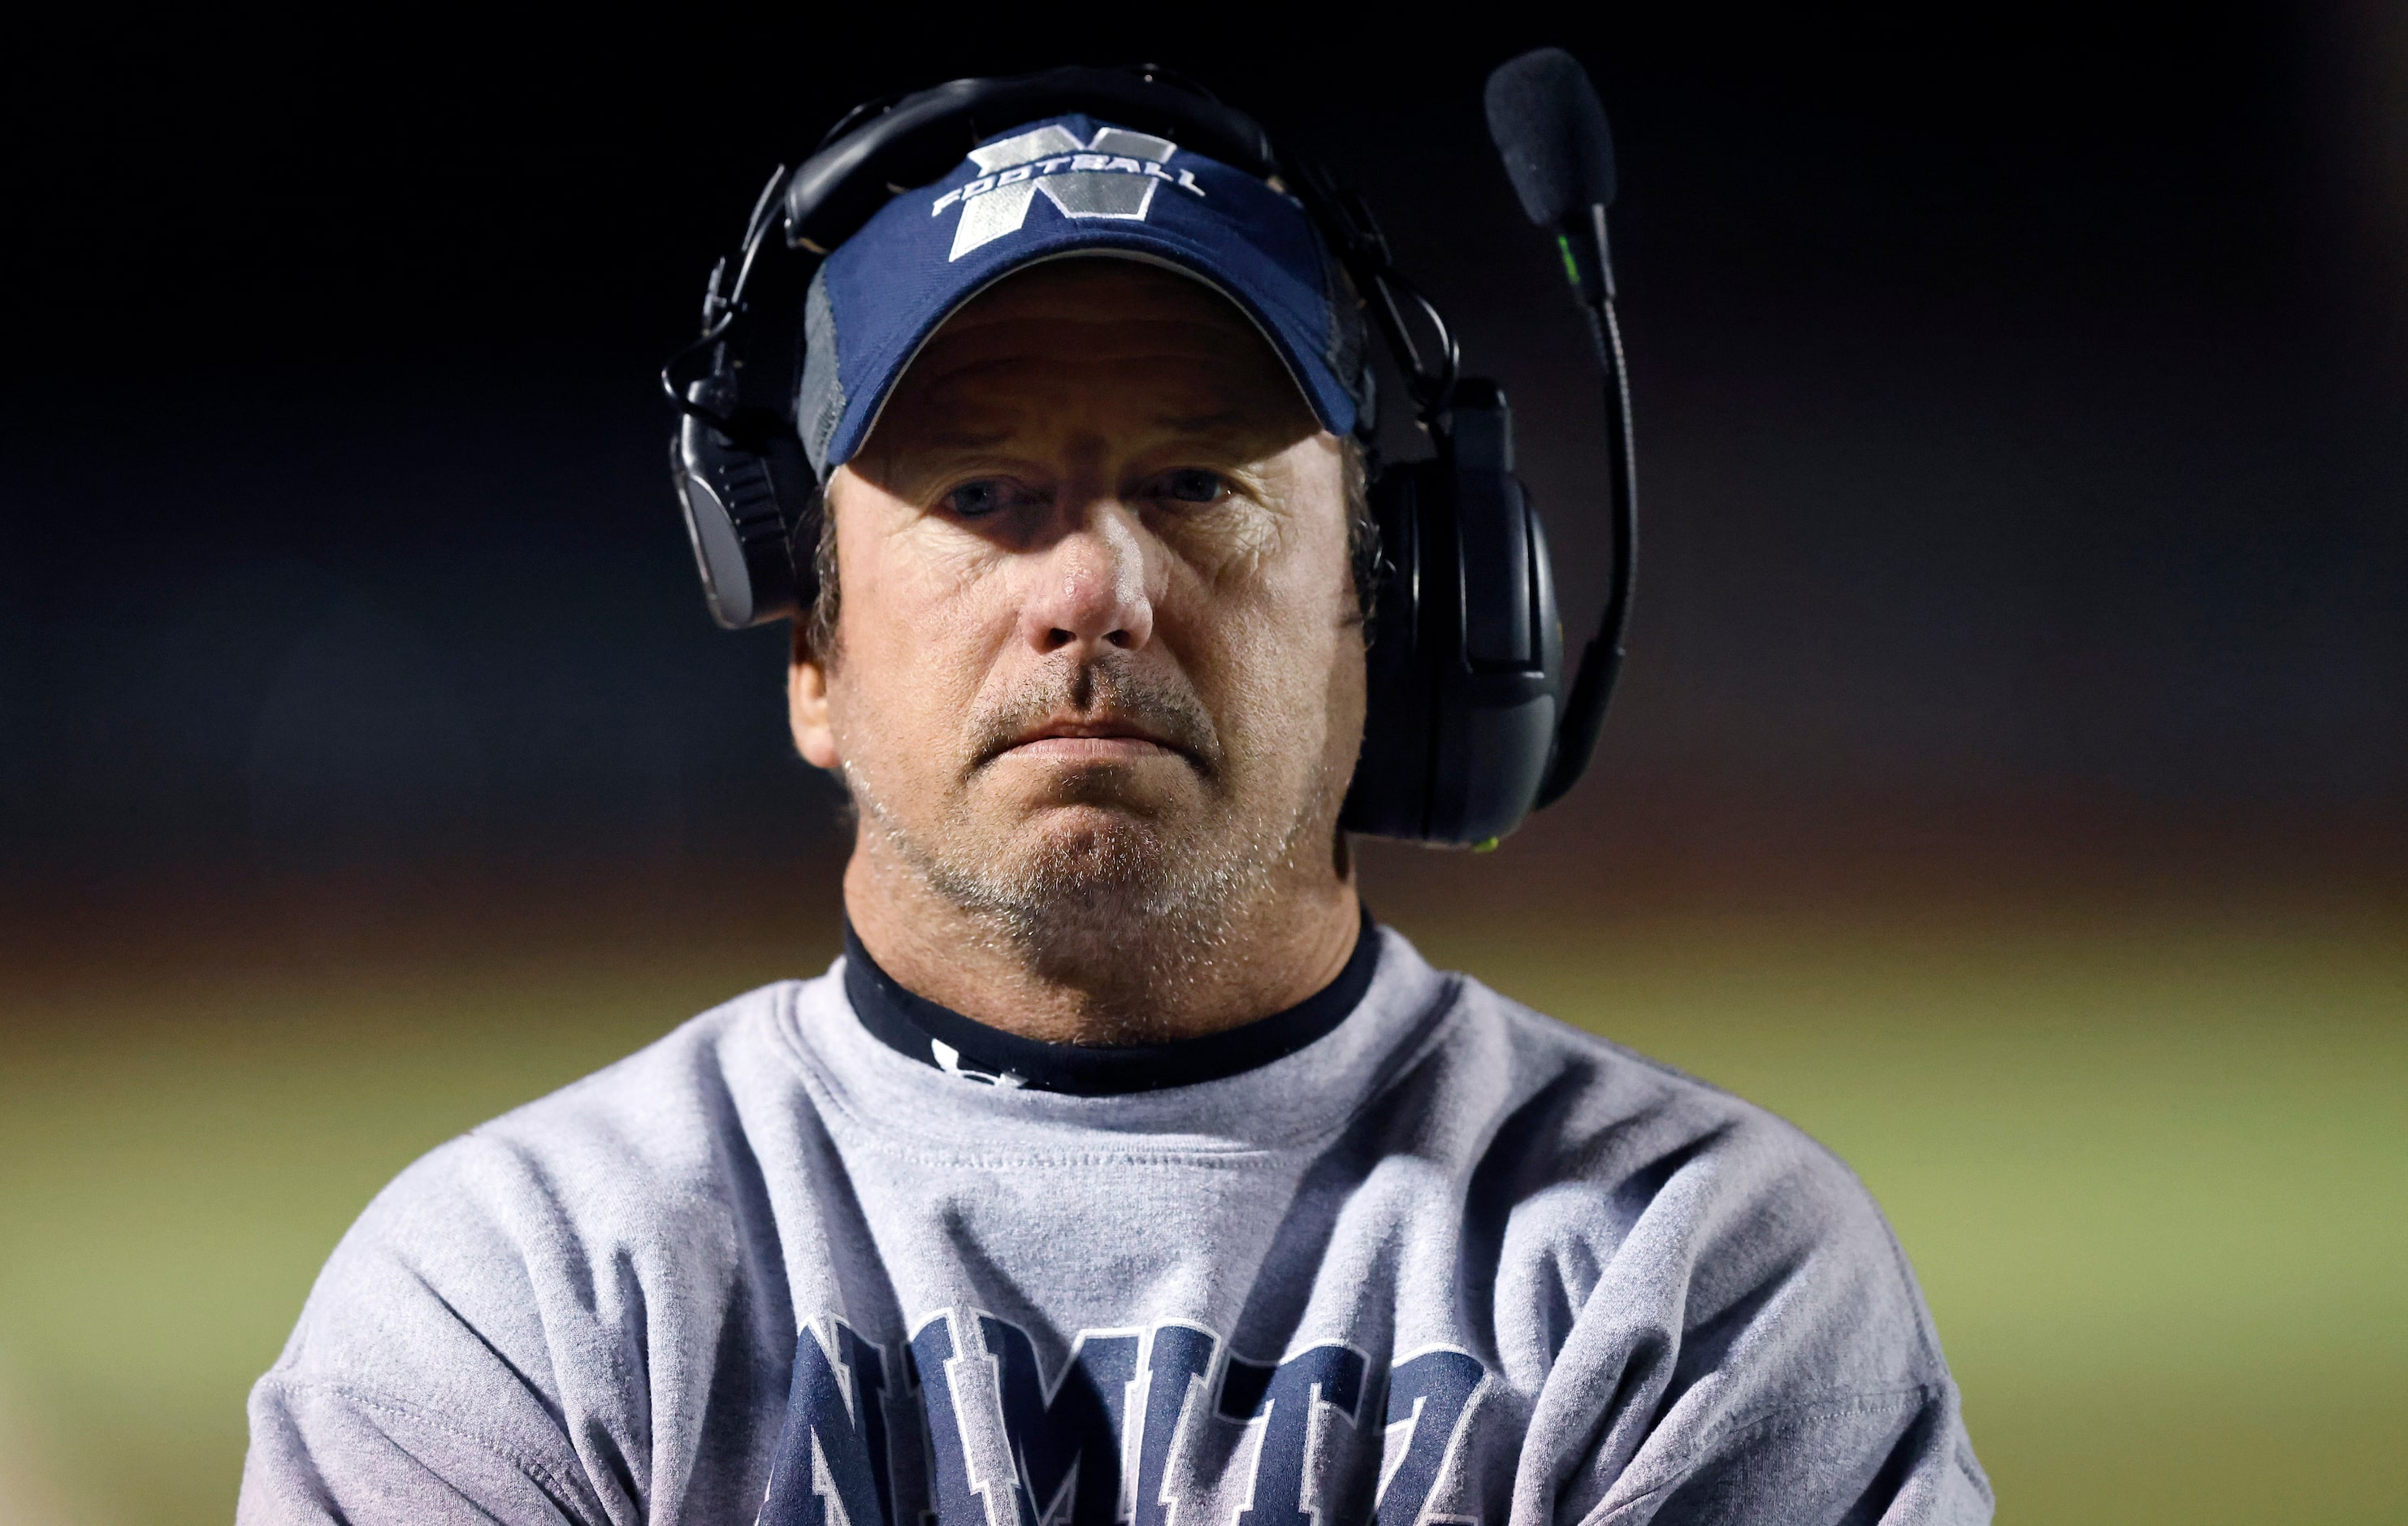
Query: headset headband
point(880, 149)
point(884, 147)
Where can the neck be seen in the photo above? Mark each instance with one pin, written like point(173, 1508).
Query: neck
point(1148, 982)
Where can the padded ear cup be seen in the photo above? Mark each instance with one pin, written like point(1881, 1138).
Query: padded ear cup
point(743, 502)
point(1390, 792)
point(1465, 675)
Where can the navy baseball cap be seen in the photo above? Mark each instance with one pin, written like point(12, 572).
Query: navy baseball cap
point(1069, 185)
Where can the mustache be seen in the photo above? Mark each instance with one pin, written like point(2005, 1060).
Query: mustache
point(1098, 691)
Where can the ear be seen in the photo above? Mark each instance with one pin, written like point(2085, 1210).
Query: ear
point(806, 707)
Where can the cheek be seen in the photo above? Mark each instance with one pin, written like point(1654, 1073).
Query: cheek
point(1285, 660)
point(1233, 546)
point(916, 633)
point(1281, 698)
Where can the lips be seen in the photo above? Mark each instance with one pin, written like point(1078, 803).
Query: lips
point(1108, 739)
point(1100, 713)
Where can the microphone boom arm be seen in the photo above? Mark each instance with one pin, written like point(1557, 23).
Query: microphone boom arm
point(1600, 664)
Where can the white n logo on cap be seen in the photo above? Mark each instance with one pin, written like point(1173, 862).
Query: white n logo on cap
point(1113, 176)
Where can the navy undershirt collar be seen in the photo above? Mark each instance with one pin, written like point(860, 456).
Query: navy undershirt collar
point(943, 1039)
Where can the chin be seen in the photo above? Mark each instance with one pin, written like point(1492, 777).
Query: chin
point(1108, 841)
point(1156, 793)
point(1086, 879)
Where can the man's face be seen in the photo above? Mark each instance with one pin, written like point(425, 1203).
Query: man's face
point(1097, 658)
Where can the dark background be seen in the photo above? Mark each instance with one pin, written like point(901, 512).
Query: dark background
point(2009, 784)
point(2020, 416)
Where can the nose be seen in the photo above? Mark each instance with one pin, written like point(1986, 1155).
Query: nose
point(1089, 592)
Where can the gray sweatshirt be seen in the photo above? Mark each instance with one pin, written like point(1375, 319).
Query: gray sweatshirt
point(1450, 1262)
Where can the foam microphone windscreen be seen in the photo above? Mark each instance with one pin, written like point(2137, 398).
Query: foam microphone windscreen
point(1544, 115)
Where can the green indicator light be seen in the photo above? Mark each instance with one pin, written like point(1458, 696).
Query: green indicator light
point(1486, 844)
point(1571, 267)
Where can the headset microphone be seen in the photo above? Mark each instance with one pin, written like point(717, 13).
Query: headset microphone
point(1549, 130)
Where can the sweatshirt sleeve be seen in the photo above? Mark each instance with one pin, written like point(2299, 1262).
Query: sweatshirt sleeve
point(578, 1312)
point(1753, 1349)
point(433, 1375)
point(324, 1452)
point(1892, 1459)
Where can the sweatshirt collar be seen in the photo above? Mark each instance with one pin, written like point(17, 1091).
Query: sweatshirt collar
point(945, 1040)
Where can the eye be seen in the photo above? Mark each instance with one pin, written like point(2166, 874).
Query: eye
point(1191, 485)
point(984, 497)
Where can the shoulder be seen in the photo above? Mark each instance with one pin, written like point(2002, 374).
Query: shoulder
point(1630, 1166)
point(561, 1285)
point(1580, 1108)
point(562, 1214)
point(1703, 1297)
point(647, 1136)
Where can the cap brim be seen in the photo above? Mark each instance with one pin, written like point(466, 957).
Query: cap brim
point(851, 437)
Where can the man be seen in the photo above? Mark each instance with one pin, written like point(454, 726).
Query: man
point(1121, 1169)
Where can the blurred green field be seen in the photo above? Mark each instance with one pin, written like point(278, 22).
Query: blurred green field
point(2152, 1169)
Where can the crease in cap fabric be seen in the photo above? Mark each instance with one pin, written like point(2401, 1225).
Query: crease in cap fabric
point(1069, 185)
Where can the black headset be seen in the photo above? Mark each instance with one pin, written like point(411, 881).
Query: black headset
point(1470, 725)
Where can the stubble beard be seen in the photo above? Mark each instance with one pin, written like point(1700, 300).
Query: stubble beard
point(1127, 901)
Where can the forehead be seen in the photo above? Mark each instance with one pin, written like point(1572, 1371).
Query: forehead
point(1093, 333)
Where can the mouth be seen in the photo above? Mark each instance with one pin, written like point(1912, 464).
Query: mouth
point(1094, 740)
